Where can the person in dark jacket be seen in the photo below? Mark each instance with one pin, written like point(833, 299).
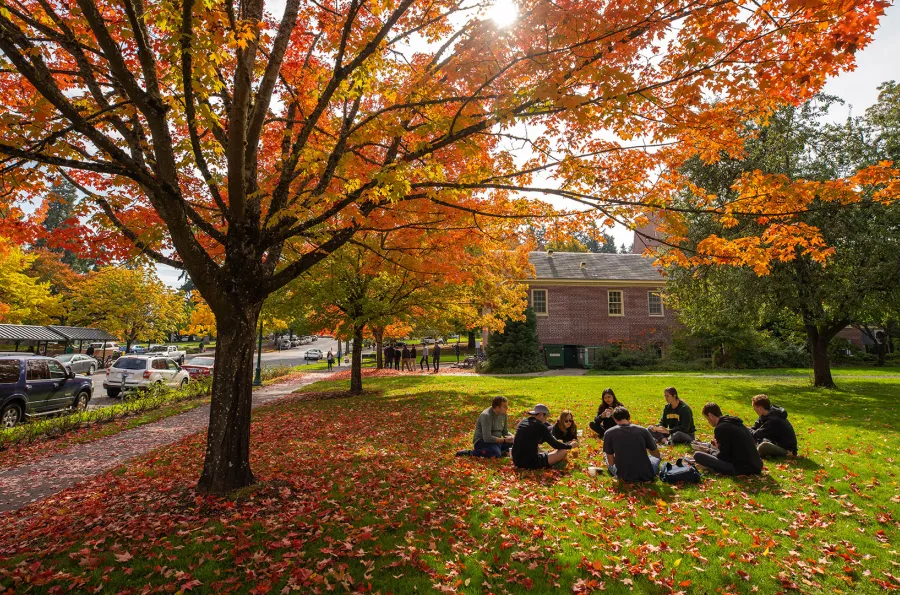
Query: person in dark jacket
point(676, 426)
point(398, 354)
point(389, 357)
point(736, 454)
point(604, 419)
point(565, 429)
point(774, 434)
point(404, 359)
point(437, 357)
point(530, 434)
point(456, 350)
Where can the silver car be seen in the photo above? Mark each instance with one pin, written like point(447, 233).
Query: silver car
point(141, 371)
point(78, 363)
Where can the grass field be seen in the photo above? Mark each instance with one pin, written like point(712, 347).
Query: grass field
point(364, 495)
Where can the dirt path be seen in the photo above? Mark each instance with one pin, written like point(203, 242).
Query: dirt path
point(29, 483)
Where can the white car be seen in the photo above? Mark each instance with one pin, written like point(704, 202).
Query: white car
point(141, 371)
point(313, 354)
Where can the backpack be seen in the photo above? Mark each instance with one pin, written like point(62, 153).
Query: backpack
point(680, 472)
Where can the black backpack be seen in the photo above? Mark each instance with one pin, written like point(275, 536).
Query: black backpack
point(680, 472)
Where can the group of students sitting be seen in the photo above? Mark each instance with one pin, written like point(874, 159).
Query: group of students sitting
point(632, 451)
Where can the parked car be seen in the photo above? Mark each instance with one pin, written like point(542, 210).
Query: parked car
point(313, 355)
point(32, 385)
point(109, 346)
point(296, 342)
point(199, 367)
point(142, 371)
point(78, 363)
point(139, 349)
point(284, 343)
point(169, 351)
point(428, 340)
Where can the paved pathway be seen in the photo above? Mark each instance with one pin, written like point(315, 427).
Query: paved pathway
point(28, 483)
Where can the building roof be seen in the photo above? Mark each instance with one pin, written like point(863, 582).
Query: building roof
point(27, 332)
point(77, 333)
point(597, 267)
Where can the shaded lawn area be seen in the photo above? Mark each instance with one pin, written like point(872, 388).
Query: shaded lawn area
point(364, 494)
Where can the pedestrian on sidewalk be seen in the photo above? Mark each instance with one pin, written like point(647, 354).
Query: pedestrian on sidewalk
point(388, 357)
point(424, 359)
point(330, 358)
point(412, 358)
point(405, 365)
point(456, 349)
point(398, 353)
point(437, 357)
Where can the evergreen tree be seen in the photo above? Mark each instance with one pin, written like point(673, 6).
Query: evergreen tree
point(59, 211)
point(516, 350)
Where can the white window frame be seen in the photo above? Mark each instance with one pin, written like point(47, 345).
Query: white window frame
point(546, 311)
point(621, 302)
point(662, 308)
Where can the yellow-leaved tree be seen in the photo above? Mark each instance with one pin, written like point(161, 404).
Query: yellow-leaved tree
point(23, 299)
point(132, 304)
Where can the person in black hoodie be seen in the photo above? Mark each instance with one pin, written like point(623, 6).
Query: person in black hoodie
point(772, 431)
point(530, 434)
point(604, 419)
point(737, 453)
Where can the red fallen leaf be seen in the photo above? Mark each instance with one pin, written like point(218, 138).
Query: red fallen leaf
point(744, 575)
point(190, 585)
point(597, 564)
point(685, 583)
point(123, 557)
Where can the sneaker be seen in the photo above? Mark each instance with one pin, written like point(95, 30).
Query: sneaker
point(465, 453)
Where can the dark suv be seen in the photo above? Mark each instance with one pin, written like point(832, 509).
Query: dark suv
point(32, 385)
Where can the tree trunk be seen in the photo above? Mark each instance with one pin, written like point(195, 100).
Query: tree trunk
point(378, 334)
point(818, 346)
point(471, 344)
point(356, 362)
point(227, 463)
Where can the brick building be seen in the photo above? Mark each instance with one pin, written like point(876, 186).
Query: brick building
point(585, 300)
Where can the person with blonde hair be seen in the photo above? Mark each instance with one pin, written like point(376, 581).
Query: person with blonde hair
point(565, 429)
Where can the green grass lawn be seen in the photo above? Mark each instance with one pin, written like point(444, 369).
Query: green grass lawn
point(364, 494)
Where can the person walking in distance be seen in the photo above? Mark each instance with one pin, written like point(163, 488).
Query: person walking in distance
point(437, 357)
point(388, 357)
point(330, 359)
point(412, 357)
point(423, 363)
point(398, 355)
point(456, 349)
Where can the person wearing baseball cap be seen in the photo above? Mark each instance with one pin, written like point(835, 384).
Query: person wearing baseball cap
point(530, 434)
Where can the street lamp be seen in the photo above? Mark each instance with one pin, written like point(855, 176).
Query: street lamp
point(258, 380)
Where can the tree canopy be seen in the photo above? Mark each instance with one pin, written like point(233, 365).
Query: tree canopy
point(245, 147)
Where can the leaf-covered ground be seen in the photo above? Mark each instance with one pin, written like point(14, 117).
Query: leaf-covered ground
point(364, 494)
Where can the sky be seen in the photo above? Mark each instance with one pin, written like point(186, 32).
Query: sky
point(877, 63)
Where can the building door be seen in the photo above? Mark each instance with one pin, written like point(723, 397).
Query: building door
point(570, 356)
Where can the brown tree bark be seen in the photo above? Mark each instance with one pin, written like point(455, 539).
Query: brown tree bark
point(819, 339)
point(356, 362)
point(378, 334)
point(227, 463)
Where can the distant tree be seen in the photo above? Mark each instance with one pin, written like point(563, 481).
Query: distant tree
point(60, 229)
point(132, 304)
point(23, 298)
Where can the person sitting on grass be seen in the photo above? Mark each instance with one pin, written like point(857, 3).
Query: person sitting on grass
point(604, 419)
point(734, 447)
point(492, 438)
point(772, 431)
point(530, 434)
point(631, 451)
point(676, 426)
point(565, 429)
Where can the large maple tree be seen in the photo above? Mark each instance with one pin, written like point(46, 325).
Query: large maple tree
point(245, 146)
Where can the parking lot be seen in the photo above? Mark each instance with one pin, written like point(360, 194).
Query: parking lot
point(286, 357)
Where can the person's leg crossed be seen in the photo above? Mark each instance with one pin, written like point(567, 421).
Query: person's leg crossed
point(770, 449)
point(714, 463)
point(488, 450)
point(681, 438)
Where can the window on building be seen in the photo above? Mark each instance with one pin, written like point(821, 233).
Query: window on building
point(539, 301)
point(616, 307)
point(706, 352)
point(654, 303)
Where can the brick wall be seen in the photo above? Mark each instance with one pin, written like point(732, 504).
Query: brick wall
point(578, 315)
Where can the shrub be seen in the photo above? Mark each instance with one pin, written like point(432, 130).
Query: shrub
point(614, 357)
point(516, 350)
